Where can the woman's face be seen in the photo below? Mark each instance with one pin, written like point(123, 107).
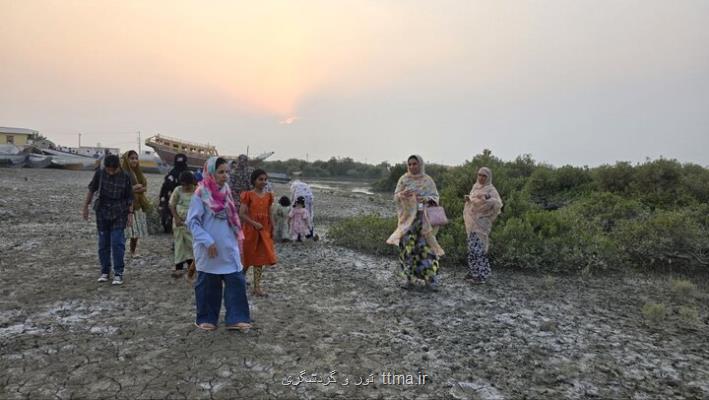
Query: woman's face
point(482, 178)
point(414, 167)
point(133, 160)
point(221, 175)
point(261, 181)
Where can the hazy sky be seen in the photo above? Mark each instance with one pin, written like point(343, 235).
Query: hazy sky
point(570, 82)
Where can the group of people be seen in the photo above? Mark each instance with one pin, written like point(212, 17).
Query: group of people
point(415, 235)
point(226, 222)
point(220, 229)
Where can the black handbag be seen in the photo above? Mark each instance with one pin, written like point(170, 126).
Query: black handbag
point(97, 200)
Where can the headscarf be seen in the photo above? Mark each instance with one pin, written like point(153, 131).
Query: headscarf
point(140, 201)
point(240, 177)
point(180, 162)
point(180, 166)
point(299, 188)
point(422, 165)
point(172, 179)
point(407, 206)
point(479, 214)
point(219, 199)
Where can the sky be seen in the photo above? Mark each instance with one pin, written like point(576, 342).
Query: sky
point(569, 82)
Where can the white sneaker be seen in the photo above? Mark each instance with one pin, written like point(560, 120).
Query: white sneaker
point(117, 280)
point(103, 278)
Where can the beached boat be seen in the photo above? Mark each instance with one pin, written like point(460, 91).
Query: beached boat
point(12, 156)
point(151, 163)
point(167, 147)
point(38, 161)
point(35, 157)
point(278, 177)
point(197, 154)
point(13, 160)
point(61, 159)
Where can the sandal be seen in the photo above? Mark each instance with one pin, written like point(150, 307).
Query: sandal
point(239, 326)
point(206, 326)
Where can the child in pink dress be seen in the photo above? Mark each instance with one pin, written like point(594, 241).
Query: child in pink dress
point(298, 219)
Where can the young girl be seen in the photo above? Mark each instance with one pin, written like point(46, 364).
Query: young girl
point(299, 219)
point(179, 205)
point(282, 212)
point(258, 228)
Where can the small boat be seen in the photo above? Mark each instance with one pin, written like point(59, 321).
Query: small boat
point(151, 163)
point(36, 157)
point(61, 159)
point(74, 164)
point(38, 161)
point(12, 156)
point(278, 177)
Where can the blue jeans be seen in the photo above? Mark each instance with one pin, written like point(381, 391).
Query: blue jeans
point(208, 296)
point(111, 242)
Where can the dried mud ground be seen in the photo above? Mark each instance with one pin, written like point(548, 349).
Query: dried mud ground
point(63, 335)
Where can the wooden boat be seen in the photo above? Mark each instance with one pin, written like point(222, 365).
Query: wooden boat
point(197, 154)
point(168, 147)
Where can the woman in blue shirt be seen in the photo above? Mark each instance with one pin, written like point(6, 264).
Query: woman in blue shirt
point(216, 231)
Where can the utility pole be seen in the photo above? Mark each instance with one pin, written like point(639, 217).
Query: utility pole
point(80, 140)
point(139, 152)
point(247, 150)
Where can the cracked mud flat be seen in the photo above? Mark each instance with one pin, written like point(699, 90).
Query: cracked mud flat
point(62, 335)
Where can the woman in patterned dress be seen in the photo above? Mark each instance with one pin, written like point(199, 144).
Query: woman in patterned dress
point(419, 250)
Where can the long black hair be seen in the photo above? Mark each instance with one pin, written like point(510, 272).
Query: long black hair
point(284, 201)
point(219, 162)
point(256, 174)
point(187, 178)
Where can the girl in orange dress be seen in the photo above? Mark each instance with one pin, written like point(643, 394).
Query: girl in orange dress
point(255, 211)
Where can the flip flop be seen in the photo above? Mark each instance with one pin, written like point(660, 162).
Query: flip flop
point(205, 326)
point(240, 326)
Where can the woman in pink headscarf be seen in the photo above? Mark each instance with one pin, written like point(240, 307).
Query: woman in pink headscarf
point(216, 230)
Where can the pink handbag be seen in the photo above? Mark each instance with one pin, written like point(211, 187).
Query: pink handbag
point(436, 216)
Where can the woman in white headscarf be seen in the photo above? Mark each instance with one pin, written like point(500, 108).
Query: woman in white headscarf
point(419, 250)
point(482, 206)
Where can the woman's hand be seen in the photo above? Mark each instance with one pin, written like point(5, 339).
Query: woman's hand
point(179, 221)
point(85, 212)
point(212, 251)
point(257, 226)
point(130, 220)
point(407, 193)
